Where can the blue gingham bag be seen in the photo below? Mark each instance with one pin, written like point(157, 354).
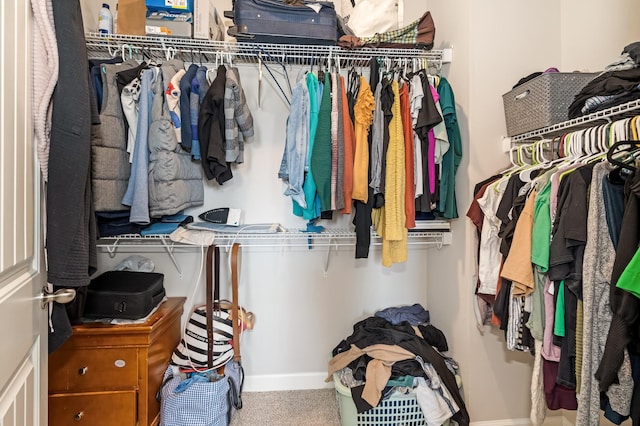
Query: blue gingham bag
point(203, 399)
point(194, 401)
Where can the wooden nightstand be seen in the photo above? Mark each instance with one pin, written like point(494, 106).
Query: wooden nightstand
point(108, 375)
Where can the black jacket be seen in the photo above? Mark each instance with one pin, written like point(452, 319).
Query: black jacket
point(211, 130)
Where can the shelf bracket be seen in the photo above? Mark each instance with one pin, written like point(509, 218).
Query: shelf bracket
point(113, 248)
point(326, 259)
point(169, 249)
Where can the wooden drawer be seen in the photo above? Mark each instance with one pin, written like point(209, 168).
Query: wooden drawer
point(93, 409)
point(93, 369)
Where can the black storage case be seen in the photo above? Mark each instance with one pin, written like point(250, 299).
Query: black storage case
point(124, 294)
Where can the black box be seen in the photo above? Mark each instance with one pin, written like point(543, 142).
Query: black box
point(124, 294)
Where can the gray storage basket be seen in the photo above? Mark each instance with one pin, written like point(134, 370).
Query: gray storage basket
point(542, 101)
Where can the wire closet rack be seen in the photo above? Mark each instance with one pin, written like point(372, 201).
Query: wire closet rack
point(437, 235)
point(208, 51)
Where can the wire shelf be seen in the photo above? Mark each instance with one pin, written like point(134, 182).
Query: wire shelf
point(617, 112)
point(288, 238)
point(195, 50)
point(331, 239)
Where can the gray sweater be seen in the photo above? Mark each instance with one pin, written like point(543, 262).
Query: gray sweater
point(599, 256)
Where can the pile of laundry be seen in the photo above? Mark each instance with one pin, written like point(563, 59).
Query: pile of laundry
point(399, 350)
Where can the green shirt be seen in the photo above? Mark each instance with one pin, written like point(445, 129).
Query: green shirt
point(541, 232)
point(451, 159)
point(630, 278)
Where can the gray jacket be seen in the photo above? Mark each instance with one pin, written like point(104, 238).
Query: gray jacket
point(175, 181)
point(109, 157)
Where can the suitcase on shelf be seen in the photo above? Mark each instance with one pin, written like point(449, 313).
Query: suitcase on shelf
point(273, 21)
point(124, 295)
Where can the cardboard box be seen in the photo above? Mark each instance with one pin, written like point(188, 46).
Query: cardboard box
point(131, 17)
point(207, 22)
point(163, 27)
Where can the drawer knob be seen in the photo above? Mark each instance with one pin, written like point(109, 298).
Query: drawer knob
point(78, 416)
point(82, 371)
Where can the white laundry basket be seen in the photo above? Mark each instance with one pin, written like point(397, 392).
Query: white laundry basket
point(397, 410)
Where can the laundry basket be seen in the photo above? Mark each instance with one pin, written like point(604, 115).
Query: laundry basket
point(397, 410)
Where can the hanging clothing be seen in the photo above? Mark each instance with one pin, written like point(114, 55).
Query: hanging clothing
point(389, 220)
point(362, 218)
point(341, 148)
point(211, 130)
point(238, 121)
point(409, 159)
point(129, 99)
point(566, 255)
point(45, 77)
point(364, 109)
point(110, 161)
point(517, 266)
point(312, 209)
point(447, 205)
point(175, 182)
point(186, 139)
point(417, 95)
point(70, 227)
point(137, 194)
point(321, 155)
point(625, 306)
point(599, 258)
point(427, 118)
point(199, 88)
point(349, 152)
point(387, 100)
point(489, 256)
point(172, 92)
point(294, 157)
point(377, 142)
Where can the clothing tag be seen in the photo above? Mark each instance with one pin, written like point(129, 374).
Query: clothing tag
point(315, 6)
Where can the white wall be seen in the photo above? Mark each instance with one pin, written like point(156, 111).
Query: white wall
point(301, 313)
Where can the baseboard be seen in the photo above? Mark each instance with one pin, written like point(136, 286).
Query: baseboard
point(285, 382)
point(549, 421)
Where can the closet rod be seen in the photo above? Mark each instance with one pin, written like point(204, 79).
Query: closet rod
point(104, 46)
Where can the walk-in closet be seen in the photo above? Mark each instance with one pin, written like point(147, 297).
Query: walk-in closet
point(310, 268)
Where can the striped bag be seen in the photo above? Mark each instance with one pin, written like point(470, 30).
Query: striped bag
point(198, 340)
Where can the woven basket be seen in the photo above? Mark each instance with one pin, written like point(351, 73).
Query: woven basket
point(542, 101)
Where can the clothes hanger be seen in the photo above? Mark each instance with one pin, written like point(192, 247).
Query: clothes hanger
point(260, 54)
point(613, 154)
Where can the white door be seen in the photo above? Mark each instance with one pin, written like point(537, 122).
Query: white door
point(23, 392)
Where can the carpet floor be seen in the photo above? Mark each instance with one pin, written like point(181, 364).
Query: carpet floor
point(288, 408)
